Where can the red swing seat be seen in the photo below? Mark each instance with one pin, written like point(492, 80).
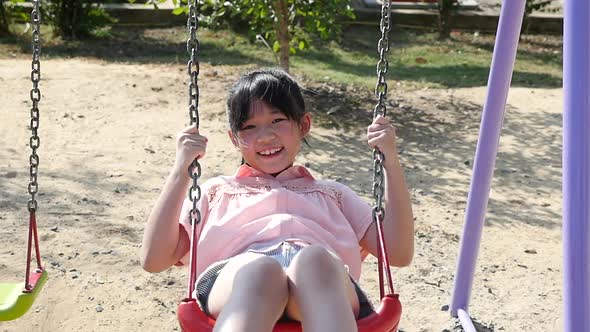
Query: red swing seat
point(385, 318)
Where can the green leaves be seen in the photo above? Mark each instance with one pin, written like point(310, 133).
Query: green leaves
point(307, 18)
point(73, 19)
point(180, 10)
point(304, 20)
point(537, 5)
point(301, 44)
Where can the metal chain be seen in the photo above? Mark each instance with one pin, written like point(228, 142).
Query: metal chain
point(192, 47)
point(380, 108)
point(378, 157)
point(34, 141)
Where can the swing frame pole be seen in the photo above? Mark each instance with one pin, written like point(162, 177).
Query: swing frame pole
point(576, 166)
point(499, 80)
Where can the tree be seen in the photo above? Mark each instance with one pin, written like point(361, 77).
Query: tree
point(444, 13)
point(74, 19)
point(530, 7)
point(11, 12)
point(287, 24)
point(282, 32)
point(3, 20)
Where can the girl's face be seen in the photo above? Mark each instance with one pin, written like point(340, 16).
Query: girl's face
point(268, 140)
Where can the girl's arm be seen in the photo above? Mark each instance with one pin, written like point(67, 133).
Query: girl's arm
point(398, 222)
point(163, 242)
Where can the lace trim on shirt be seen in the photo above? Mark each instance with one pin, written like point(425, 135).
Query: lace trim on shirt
point(216, 191)
point(332, 192)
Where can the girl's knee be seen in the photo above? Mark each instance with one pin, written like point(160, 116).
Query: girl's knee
point(250, 281)
point(263, 273)
point(318, 276)
point(318, 263)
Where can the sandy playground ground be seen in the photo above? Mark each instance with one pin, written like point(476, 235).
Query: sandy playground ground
point(107, 144)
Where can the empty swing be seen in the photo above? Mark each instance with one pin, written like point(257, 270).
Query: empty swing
point(388, 313)
point(18, 297)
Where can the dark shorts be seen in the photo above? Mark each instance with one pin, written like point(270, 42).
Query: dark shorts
point(284, 254)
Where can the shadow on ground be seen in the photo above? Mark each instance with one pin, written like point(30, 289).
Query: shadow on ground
point(436, 151)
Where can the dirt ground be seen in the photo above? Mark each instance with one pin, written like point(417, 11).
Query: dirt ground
point(107, 143)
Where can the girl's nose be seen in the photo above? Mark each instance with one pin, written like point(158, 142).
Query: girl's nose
point(266, 135)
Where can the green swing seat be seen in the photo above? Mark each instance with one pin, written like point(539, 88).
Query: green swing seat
point(15, 298)
point(14, 302)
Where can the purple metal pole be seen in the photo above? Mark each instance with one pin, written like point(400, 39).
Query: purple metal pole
point(576, 166)
point(483, 168)
point(466, 321)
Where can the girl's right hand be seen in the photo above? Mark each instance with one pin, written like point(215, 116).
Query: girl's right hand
point(189, 145)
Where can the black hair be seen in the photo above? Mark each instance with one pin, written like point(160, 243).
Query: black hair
point(273, 86)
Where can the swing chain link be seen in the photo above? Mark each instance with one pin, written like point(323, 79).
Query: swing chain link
point(192, 47)
point(380, 109)
point(35, 94)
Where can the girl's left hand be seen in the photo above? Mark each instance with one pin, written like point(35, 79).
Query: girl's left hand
point(381, 135)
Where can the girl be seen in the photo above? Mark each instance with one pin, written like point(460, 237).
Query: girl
point(274, 242)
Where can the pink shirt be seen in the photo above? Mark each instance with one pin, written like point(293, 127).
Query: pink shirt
point(253, 210)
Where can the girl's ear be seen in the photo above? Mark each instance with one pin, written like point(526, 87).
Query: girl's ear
point(305, 124)
point(233, 138)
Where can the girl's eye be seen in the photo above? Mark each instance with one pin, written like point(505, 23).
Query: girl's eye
point(278, 120)
point(247, 127)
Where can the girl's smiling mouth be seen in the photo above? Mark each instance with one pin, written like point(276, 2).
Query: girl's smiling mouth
point(269, 153)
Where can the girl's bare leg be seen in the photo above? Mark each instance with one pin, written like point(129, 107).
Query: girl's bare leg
point(322, 295)
point(249, 295)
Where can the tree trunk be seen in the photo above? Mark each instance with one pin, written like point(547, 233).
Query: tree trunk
point(3, 21)
point(444, 11)
point(68, 18)
point(62, 16)
point(282, 30)
point(526, 24)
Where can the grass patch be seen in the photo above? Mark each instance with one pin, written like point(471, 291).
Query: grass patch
point(417, 59)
